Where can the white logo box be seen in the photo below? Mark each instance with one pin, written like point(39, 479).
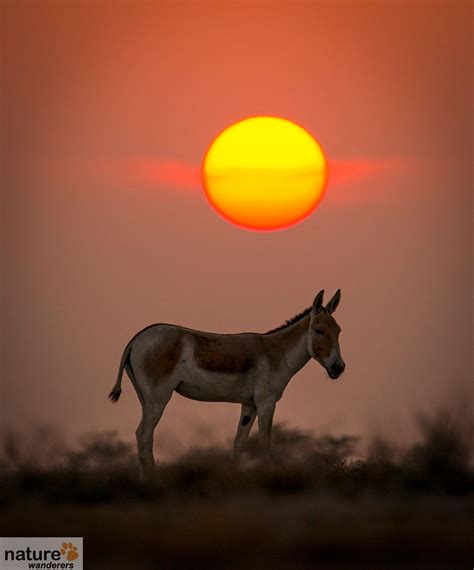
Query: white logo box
point(42, 553)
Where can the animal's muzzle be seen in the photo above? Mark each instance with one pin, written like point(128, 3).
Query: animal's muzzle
point(336, 370)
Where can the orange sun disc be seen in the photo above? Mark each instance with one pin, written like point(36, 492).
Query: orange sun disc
point(264, 173)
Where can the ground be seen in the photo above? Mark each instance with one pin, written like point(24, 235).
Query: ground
point(315, 506)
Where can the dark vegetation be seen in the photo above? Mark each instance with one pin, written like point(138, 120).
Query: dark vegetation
point(314, 506)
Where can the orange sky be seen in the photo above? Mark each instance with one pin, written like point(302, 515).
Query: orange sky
point(99, 100)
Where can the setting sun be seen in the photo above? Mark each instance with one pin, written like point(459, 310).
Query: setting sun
point(264, 173)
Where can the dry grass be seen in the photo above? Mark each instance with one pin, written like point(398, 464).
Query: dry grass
point(312, 508)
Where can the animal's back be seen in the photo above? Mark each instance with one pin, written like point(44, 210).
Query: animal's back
point(203, 366)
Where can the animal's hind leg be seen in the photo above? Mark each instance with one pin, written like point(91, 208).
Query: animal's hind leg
point(152, 413)
point(247, 417)
point(131, 375)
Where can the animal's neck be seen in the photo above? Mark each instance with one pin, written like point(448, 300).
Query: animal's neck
point(292, 342)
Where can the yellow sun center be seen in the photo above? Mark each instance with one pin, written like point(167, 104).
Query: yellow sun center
point(264, 173)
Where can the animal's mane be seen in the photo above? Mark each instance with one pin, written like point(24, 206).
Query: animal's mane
point(289, 322)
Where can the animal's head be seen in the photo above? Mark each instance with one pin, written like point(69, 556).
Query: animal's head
point(323, 335)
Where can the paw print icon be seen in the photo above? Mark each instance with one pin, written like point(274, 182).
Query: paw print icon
point(70, 551)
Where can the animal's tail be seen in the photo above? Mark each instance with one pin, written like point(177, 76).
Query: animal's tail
point(117, 389)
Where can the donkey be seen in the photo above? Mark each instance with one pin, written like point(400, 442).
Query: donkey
point(251, 369)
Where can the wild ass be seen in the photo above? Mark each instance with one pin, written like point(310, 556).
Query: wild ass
point(251, 369)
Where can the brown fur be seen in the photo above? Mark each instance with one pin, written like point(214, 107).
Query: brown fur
point(158, 364)
point(288, 339)
point(322, 345)
point(225, 354)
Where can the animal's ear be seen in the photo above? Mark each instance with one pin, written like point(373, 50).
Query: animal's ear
point(318, 302)
point(334, 302)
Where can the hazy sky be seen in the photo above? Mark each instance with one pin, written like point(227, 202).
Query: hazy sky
point(106, 112)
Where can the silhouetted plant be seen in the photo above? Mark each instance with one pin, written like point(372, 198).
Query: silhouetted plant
point(102, 452)
point(442, 461)
point(103, 468)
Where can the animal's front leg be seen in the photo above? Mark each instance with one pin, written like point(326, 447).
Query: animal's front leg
point(265, 421)
point(247, 417)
